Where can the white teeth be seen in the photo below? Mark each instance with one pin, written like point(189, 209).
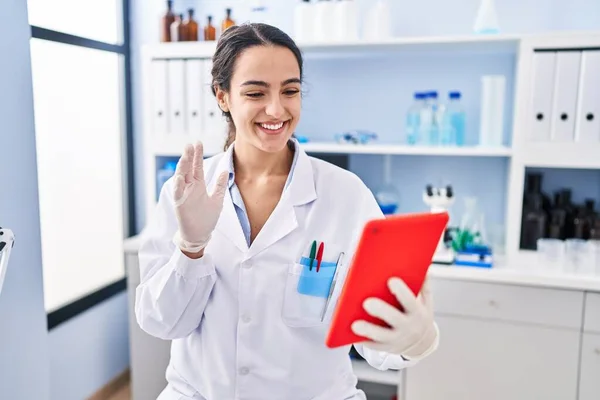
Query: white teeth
point(272, 127)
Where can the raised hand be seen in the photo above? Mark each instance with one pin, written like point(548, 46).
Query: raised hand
point(197, 212)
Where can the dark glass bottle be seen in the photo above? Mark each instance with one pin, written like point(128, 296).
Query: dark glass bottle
point(191, 27)
point(595, 229)
point(581, 229)
point(228, 22)
point(534, 226)
point(210, 32)
point(167, 21)
point(534, 223)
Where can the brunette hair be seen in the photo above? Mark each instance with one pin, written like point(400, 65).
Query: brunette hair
point(231, 44)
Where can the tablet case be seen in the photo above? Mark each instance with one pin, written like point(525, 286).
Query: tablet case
point(399, 246)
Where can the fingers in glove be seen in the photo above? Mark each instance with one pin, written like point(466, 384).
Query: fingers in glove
point(404, 295)
point(179, 189)
point(425, 294)
point(198, 163)
point(384, 311)
point(373, 332)
point(184, 165)
point(220, 187)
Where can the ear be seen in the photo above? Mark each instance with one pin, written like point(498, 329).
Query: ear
point(222, 99)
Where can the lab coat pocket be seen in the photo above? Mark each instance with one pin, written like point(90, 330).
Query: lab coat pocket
point(306, 293)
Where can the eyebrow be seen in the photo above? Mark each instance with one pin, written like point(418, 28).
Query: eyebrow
point(265, 84)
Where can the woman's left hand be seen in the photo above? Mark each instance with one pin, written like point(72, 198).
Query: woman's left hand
point(412, 332)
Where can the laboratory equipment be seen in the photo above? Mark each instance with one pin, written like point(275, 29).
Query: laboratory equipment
point(166, 21)
point(191, 27)
point(436, 112)
point(387, 195)
point(491, 127)
point(487, 19)
point(323, 20)
point(210, 32)
point(453, 126)
point(345, 20)
point(304, 14)
point(259, 12)
point(413, 118)
point(551, 254)
point(178, 29)
point(163, 174)
point(228, 22)
point(378, 24)
point(7, 241)
point(425, 119)
point(356, 137)
point(439, 200)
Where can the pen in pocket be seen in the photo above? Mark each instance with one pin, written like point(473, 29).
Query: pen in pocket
point(335, 274)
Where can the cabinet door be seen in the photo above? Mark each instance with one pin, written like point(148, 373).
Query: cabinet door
point(214, 125)
point(589, 381)
point(493, 360)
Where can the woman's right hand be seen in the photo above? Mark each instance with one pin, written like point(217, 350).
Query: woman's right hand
point(197, 212)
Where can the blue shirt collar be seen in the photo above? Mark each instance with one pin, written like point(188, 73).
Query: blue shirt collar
point(293, 142)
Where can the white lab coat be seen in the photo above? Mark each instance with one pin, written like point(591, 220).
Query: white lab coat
point(239, 328)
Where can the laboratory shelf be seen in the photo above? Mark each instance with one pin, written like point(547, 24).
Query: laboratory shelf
point(366, 373)
point(393, 149)
point(561, 155)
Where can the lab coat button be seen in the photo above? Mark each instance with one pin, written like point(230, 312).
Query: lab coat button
point(246, 319)
point(244, 371)
point(247, 264)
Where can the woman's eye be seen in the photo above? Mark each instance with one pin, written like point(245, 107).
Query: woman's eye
point(254, 95)
point(291, 92)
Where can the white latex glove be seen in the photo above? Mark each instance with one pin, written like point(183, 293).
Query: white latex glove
point(197, 212)
point(412, 332)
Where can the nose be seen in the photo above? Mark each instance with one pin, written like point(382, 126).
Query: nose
point(275, 108)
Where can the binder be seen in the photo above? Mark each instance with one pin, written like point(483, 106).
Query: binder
point(544, 66)
point(160, 119)
point(176, 96)
point(194, 107)
point(587, 128)
point(7, 241)
point(566, 88)
point(214, 124)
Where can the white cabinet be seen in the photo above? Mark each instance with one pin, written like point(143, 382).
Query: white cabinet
point(589, 380)
point(494, 360)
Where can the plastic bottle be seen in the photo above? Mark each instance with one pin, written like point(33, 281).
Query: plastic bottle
point(259, 12)
point(425, 119)
point(378, 24)
point(486, 21)
point(345, 21)
point(453, 129)
point(413, 118)
point(324, 20)
point(434, 130)
point(303, 21)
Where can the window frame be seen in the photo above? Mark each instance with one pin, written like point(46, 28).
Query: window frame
point(84, 303)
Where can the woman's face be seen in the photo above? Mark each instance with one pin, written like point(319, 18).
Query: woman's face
point(264, 97)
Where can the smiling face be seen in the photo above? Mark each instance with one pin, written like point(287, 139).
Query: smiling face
point(264, 97)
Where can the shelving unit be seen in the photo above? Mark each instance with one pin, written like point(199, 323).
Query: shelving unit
point(523, 150)
point(398, 149)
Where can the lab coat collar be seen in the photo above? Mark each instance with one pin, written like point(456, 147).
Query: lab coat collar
point(300, 191)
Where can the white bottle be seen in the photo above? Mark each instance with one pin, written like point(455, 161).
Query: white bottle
point(487, 20)
point(346, 21)
point(303, 21)
point(491, 128)
point(378, 24)
point(323, 20)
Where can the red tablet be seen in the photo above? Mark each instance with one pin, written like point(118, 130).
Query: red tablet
point(399, 246)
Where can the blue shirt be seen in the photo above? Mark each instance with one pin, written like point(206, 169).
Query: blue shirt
point(236, 196)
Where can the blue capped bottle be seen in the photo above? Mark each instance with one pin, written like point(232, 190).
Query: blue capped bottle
point(413, 118)
point(455, 115)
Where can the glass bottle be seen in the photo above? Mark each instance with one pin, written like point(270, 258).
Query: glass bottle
point(178, 30)
point(210, 32)
point(191, 27)
point(167, 21)
point(534, 225)
point(227, 22)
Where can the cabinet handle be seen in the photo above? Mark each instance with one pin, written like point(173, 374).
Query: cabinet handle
point(589, 117)
point(211, 114)
point(194, 113)
point(539, 116)
point(564, 116)
point(160, 113)
point(177, 113)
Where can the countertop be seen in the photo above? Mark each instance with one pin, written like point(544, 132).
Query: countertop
point(522, 270)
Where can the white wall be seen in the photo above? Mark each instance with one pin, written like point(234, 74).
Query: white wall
point(23, 337)
point(93, 347)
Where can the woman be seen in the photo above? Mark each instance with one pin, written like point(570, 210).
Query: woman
point(220, 272)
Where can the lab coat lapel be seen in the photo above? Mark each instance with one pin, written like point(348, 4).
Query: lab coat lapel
point(229, 223)
point(284, 220)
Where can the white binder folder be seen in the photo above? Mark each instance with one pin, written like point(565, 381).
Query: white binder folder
point(194, 114)
point(587, 128)
point(566, 87)
point(214, 130)
point(177, 92)
point(160, 120)
point(7, 240)
point(544, 66)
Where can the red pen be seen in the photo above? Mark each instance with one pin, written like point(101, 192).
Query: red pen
point(319, 256)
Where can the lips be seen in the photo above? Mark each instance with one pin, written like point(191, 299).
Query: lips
point(272, 128)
